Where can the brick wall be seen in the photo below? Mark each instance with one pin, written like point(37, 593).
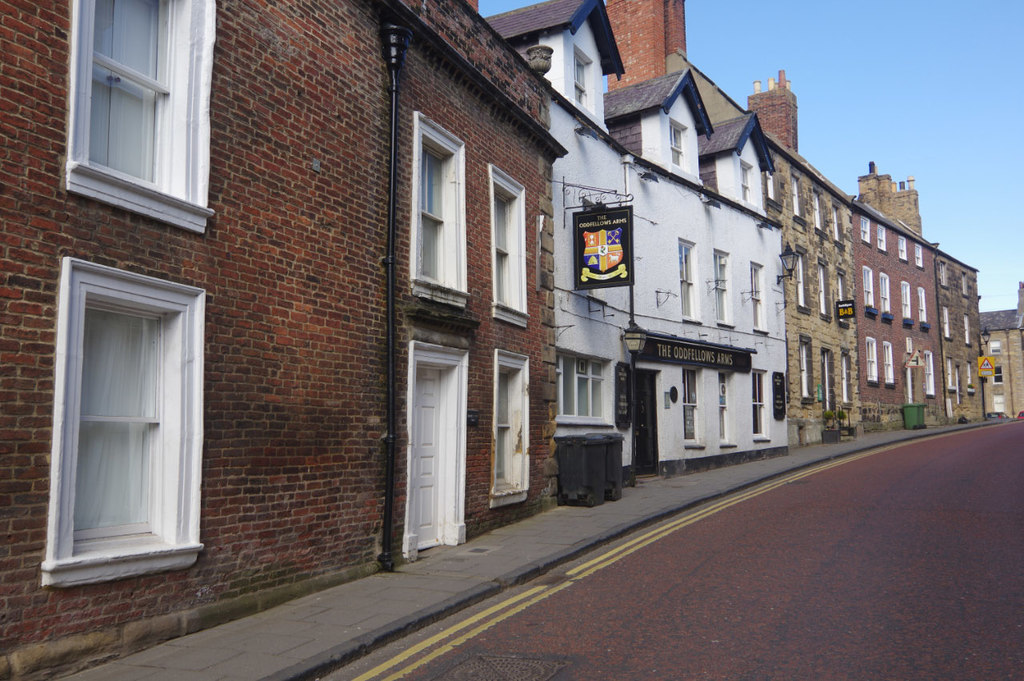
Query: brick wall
point(776, 110)
point(648, 32)
point(293, 386)
point(881, 403)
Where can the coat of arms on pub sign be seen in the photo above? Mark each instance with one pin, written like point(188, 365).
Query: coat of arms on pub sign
point(603, 247)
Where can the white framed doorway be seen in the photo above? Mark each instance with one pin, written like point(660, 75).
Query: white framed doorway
point(436, 459)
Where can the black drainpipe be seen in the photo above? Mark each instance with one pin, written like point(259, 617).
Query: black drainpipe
point(395, 42)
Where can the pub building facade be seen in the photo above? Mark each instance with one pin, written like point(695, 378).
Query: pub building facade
point(704, 298)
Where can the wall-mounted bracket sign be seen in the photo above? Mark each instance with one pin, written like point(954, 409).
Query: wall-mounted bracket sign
point(845, 309)
point(603, 247)
point(779, 395)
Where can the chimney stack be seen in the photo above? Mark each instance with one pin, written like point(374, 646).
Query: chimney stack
point(776, 110)
point(897, 200)
point(651, 36)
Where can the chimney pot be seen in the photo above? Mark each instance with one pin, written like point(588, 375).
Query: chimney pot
point(771, 83)
point(892, 187)
point(871, 167)
point(782, 78)
point(903, 185)
point(757, 86)
point(910, 182)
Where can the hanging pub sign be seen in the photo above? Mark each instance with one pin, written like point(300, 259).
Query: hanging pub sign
point(603, 247)
point(845, 309)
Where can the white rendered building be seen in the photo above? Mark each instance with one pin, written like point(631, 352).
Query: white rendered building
point(705, 261)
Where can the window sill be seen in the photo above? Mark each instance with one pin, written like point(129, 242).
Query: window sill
point(510, 316)
point(725, 325)
point(762, 332)
point(694, 446)
point(439, 293)
point(727, 445)
point(507, 497)
point(803, 309)
point(761, 438)
point(109, 560)
point(589, 421)
point(116, 190)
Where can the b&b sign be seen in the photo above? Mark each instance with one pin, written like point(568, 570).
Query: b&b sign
point(603, 247)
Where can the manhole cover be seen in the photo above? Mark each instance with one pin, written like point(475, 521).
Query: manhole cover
point(496, 668)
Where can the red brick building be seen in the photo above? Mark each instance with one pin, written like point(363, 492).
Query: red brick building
point(896, 317)
point(194, 401)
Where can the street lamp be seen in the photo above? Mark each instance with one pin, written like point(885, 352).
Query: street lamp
point(635, 338)
point(985, 336)
point(788, 258)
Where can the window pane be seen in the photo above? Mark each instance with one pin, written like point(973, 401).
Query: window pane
point(112, 481)
point(118, 419)
point(583, 395)
point(121, 125)
point(568, 381)
point(127, 32)
point(119, 372)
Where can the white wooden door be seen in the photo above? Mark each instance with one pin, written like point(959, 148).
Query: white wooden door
point(424, 480)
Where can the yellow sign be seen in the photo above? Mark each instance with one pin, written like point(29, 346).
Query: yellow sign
point(986, 366)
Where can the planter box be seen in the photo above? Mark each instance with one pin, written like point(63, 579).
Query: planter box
point(830, 436)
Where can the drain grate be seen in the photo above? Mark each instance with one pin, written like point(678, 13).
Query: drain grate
point(497, 668)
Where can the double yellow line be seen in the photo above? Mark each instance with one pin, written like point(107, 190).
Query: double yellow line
point(486, 619)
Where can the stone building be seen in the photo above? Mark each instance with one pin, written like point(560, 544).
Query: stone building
point(956, 298)
point(816, 219)
point(1004, 392)
point(197, 399)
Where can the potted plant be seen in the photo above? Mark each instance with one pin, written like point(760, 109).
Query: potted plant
point(842, 416)
point(970, 388)
point(830, 433)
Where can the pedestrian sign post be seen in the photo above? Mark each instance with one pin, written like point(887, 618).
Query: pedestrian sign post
point(986, 366)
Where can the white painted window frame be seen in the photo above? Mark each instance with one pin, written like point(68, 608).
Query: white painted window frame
point(172, 539)
point(450, 286)
point(515, 486)
point(178, 193)
point(871, 359)
point(513, 308)
point(887, 363)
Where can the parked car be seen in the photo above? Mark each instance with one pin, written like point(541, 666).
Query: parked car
point(996, 416)
point(1020, 416)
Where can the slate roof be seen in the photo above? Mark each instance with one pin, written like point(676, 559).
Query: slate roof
point(522, 25)
point(1000, 319)
point(658, 92)
point(730, 136)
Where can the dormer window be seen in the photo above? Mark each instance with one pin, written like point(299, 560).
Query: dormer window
point(676, 141)
point(581, 71)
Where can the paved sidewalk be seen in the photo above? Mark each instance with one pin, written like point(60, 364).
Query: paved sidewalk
point(313, 634)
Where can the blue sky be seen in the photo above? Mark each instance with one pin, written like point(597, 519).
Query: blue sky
point(928, 89)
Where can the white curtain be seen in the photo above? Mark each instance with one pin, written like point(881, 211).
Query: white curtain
point(118, 422)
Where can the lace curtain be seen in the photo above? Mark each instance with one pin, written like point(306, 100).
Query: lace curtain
point(118, 423)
